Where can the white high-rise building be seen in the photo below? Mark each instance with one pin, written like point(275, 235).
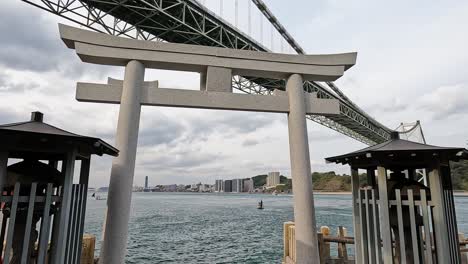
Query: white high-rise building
point(249, 185)
point(237, 185)
point(219, 186)
point(273, 179)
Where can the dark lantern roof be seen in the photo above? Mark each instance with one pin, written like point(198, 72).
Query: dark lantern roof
point(25, 131)
point(395, 147)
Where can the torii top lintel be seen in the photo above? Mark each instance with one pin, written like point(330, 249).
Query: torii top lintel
point(105, 49)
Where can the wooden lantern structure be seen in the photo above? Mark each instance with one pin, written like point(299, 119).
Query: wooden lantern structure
point(39, 192)
point(400, 214)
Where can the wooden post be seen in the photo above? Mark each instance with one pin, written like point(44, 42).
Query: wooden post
point(464, 257)
point(387, 253)
point(3, 167)
point(286, 239)
point(440, 224)
point(356, 216)
point(342, 251)
point(325, 253)
point(321, 244)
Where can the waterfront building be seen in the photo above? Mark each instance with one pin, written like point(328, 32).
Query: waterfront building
point(219, 186)
point(227, 186)
point(170, 188)
point(248, 185)
point(237, 185)
point(146, 189)
point(273, 179)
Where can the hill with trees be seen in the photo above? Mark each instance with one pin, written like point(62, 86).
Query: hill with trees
point(332, 182)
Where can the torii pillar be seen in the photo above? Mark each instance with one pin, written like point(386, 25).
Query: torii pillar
point(304, 211)
point(216, 65)
point(114, 245)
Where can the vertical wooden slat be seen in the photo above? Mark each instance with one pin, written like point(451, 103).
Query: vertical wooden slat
point(414, 236)
point(401, 232)
point(387, 253)
point(45, 226)
point(59, 252)
point(450, 213)
point(442, 243)
point(84, 178)
point(357, 216)
point(11, 224)
point(378, 248)
point(363, 234)
point(370, 228)
point(4, 224)
point(55, 223)
point(25, 256)
point(70, 241)
point(3, 167)
point(82, 210)
point(78, 222)
point(427, 231)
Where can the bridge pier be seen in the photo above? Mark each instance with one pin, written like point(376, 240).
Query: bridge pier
point(304, 211)
point(114, 247)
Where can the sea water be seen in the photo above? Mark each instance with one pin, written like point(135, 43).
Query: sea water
point(221, 228)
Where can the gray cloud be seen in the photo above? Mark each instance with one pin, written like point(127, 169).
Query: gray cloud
point(445, 101)
point(32, 44)
point(181, 160)
point(250, 142)
point(160, 131)
point(7, 86)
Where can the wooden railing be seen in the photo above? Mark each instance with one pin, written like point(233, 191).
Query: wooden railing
point(342, 240)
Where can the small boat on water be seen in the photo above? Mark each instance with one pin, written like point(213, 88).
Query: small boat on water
point(98, 197)
point(260, 205)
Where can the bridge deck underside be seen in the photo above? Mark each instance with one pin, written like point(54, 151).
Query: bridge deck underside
point(187, 22)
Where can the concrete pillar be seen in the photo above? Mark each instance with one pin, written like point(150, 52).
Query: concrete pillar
point(3, 167)
point(114, 246)
point(304, 211)
point(59, 245)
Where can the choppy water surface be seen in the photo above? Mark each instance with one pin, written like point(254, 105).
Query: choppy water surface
point(221, 228)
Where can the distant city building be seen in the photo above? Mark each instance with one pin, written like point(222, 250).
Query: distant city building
point(170, 188)
point(249, 185)
point(219, 186)
point(273, 179)
point(146, 189)
point(227, 186)
point(237, 185)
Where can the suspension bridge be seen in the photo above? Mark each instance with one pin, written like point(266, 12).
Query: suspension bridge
point(237, 24)
point(257, 61)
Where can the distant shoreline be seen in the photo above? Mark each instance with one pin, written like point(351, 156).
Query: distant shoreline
point(331, 193)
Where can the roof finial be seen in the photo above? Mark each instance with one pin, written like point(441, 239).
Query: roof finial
point(37, 116)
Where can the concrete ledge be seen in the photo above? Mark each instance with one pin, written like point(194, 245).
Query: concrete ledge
point(105, 93)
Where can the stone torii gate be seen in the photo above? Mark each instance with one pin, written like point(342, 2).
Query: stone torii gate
point(217, 66)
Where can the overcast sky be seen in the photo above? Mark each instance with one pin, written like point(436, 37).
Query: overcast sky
point(412, 65)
